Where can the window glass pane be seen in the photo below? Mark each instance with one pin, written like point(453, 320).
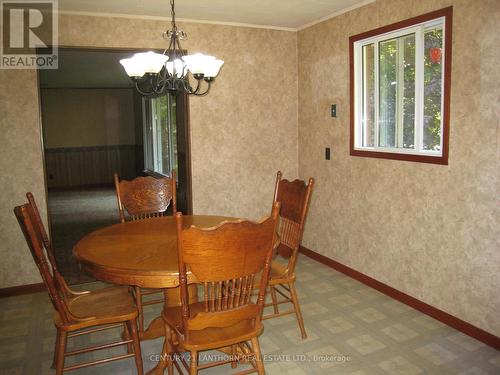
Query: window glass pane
point(148, 136)
point(161, 135)
point(397, 92)
point(433, 64)
point(173, 135)
point(368, 110)
point(387, 92)
point(407, 138)
point(167, 135)
point(162, 138)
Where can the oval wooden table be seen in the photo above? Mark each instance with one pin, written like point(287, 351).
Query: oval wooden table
point(142, 253)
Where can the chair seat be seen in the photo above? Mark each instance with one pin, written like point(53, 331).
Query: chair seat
point(204, 339)
point(277, 275)
point(103, 306)
point(278, 271)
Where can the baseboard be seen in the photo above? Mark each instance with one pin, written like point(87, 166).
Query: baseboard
point(21, 289)
point(450, 320)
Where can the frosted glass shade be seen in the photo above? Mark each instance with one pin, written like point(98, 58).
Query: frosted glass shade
point(142, 63)
point(198, 62)
point(131, 68)
point(177, 65)
point(212, 69)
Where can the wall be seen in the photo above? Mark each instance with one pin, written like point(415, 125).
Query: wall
point(241, 133)
point(88, 117)
point(430, 231)
point(88, 135)
point(20, 171)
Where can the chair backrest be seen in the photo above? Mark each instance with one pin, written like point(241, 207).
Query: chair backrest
point(41, 250)
point(294, 197)
point(226, 259)
point(145, 197)
point(40, 228)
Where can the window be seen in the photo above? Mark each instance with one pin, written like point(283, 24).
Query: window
point(160, 135)
point(400, 89)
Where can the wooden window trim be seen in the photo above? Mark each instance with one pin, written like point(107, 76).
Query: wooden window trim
point(447, 13)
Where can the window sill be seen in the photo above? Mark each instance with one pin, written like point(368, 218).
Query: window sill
point(149, 172)
point(419, 158)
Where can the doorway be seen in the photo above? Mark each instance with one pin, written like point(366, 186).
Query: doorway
point(94, 123)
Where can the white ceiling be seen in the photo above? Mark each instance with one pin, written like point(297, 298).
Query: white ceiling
point(286, 14)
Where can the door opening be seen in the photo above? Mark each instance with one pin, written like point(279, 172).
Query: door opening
point(94, 123)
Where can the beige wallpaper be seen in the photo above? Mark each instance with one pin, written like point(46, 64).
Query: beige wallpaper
point(88, 117)
point(241, 133)
point(20, 171)
point(430, 231)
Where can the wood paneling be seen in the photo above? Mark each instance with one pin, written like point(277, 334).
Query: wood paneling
point(22, 289)
point(83, 166)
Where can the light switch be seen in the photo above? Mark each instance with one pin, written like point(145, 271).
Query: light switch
point(334, 110)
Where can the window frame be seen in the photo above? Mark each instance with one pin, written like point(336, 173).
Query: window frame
point(402, 28)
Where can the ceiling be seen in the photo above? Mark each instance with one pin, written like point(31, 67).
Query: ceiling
point(286, 14)
point(101, 69)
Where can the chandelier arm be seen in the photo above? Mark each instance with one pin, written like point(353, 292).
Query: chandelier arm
point(209, 83)
point(185, 86)
point(144, 93)
point(195, 91)
point(159, 87)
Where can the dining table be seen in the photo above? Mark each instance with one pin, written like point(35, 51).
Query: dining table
point(141, 253)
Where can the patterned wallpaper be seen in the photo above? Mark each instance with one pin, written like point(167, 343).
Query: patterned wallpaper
point(430, 231)
point(241, 133)
point(20, 171)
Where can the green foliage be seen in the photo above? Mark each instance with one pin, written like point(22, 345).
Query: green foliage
point(389, 56)
point(432, 91)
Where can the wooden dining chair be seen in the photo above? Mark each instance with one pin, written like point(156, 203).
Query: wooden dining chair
point(226, 260)
point(143, 198)
point(294, 197)
point(79, 313)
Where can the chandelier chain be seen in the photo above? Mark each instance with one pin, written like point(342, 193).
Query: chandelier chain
point(172, 11)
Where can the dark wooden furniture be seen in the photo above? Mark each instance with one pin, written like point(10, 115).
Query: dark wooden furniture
point(294, 197)
point(78, 313)
point(226, 260)
point(141, 253)
point(143, 198)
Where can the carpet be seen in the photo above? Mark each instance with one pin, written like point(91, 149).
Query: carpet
point(73, 214)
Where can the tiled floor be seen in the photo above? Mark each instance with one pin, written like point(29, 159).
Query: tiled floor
point(352, 329)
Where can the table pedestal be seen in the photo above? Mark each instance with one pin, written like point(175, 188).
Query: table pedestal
point(172, 299)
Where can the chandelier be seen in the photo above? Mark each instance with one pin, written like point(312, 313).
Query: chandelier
point(169, 72)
